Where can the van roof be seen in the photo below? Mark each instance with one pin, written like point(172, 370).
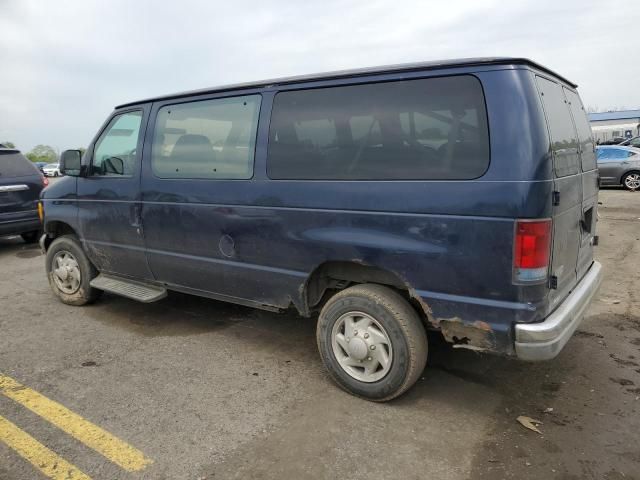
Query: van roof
point(359, 72)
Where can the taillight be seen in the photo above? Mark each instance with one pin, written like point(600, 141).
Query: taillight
point(45, 181)
point(532, 248)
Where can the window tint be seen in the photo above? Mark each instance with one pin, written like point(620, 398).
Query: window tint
point(115, 153)
point(14, 164)
point(563, 135)
point(208, 138)
point(583, 129)
point(409, 130)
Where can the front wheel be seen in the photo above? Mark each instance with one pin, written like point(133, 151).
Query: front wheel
point(69, 271)
point(372, 342)
point(631, 181)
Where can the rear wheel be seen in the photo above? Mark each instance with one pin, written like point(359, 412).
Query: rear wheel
point(631, 181)
point(69, 271)
point(372, 342)
point(30, 237)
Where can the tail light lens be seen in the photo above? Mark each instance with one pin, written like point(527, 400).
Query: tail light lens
point(45, 181)
point(532, 249)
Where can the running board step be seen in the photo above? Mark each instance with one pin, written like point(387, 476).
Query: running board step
point(142, 292)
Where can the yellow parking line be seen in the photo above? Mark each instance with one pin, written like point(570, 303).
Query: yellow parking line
point(37, 454)
point(119, 452)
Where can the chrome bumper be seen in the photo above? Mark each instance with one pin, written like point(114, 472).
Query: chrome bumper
point(544, 340)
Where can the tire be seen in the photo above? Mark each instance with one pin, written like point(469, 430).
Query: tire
point(66, 253)
point(631, 181)
point(55, 174)
point(389, 317)
point(31, 237)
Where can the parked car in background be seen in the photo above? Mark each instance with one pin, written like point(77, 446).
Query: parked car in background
point(20, 187)
point(619, 166)
point(612, 141)
point(631, 142)
point(52, 170)
point(41, 166)
point(375, 197)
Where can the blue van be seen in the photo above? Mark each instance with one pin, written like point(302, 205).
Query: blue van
point(456, 196)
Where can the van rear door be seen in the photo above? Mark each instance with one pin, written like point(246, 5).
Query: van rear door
point(568, 191)
point(587, 151)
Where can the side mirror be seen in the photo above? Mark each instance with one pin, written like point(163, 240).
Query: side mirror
point(71, 163)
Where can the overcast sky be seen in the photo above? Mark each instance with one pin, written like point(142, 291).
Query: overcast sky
point(64, 65)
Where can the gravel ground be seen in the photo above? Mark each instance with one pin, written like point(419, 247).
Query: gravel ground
point(209, 390)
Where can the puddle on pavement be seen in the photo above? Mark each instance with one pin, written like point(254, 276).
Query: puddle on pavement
point(28, 253)
point(15, 245)
point(176, 315)
point(619, 321)
point(181, 315)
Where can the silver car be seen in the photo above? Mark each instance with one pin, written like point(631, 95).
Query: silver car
point(619, 166)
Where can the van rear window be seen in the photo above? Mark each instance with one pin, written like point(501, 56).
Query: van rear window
point(585, 137)
point(422, 129)
point(564, 144)
point(14, 164)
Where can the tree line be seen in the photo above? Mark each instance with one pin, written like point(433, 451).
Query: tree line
point(39, 153)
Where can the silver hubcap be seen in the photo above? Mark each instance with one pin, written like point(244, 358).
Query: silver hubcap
point(632, 181)
point(361, 346)
point(66, 272)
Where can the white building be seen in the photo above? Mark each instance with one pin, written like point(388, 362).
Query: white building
point(608, 125)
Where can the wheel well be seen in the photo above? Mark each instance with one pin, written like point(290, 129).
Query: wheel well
point(334, 276)
point(56, 229)
point(627, 173)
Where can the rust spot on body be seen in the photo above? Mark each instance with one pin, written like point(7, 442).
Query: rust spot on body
point(425, 308)
point(476, 335)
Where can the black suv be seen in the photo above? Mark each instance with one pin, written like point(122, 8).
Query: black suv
point(20, 185)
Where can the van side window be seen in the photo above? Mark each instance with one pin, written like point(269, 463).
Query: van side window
point(422, 129)
point(564, 144)
point(206, 139)
point(115, 153)
point(587, 153)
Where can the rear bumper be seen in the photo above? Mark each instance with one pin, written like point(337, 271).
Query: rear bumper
point(15, 224)
point(544, 340)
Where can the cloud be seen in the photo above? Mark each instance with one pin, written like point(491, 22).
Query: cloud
point(65, 65)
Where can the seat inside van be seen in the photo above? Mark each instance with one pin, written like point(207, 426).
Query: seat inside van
point(370, 155)
point(377, 132)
